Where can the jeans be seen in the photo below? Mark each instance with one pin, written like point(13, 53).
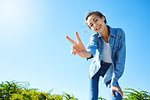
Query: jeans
point(95, 80)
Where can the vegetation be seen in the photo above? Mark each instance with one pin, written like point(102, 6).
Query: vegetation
point(132, 94)
point(20, 91)
point(100, 98)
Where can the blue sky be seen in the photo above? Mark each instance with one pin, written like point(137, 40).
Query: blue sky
point(33, 47)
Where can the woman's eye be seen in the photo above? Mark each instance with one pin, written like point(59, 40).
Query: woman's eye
point(96, 20)
point(91, 25)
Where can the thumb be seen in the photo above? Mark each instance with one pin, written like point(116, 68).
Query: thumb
point(112, 92)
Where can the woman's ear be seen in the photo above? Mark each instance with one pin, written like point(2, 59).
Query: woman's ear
point(103, 18)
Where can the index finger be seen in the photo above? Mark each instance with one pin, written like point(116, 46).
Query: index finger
point(73, 42)
point(78, 38)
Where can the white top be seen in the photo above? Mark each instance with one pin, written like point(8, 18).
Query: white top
point(106, 56)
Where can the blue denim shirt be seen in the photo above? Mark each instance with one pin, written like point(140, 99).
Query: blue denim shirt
point(118, 54)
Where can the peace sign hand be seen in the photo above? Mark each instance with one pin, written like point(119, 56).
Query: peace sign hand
point(79, 48)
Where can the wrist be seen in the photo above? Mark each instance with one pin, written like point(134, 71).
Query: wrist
point(89, 54)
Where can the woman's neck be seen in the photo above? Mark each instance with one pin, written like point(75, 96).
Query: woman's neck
point(105, 34)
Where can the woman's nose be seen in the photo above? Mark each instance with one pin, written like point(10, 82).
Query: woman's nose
point(94, 25)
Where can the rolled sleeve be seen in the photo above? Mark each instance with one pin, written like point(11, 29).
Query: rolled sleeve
point(92, 45)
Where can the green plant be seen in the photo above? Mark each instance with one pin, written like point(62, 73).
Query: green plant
point(20, 91)
point(132, 94)
point(69, 97)
point(100, 98)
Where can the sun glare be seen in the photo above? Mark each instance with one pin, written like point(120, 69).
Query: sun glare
point(9, 11)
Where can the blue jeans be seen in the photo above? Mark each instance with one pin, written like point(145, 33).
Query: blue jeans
point(95, 80)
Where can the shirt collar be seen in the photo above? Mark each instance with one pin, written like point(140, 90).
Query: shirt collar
point(111, 32)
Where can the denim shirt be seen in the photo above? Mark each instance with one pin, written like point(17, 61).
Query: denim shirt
point(118, 54)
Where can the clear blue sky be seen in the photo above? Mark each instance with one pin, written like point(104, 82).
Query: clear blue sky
point(33, 47)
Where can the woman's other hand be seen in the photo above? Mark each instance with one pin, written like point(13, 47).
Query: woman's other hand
point(118, 89)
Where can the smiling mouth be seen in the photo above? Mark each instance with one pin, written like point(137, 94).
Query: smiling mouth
point(98, 27)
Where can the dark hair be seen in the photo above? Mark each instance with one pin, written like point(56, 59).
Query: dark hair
point(97, 13)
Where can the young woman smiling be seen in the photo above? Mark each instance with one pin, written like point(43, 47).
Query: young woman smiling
point(107, 47)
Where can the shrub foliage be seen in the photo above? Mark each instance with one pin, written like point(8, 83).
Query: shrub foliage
point(20, 91)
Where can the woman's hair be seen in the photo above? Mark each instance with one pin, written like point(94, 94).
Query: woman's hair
point(97, 13)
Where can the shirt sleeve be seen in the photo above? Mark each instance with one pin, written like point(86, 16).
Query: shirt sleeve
point(92, 45)
point(119, 62)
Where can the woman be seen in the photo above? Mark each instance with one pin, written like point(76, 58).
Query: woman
point(107, 47)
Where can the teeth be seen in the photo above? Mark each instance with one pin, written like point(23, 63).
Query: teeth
point(98, 27)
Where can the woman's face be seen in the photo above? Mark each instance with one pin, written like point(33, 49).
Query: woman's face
point(96, 23)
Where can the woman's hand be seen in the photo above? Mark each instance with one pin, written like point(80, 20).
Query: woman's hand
point(79, 48)
point(118, 89)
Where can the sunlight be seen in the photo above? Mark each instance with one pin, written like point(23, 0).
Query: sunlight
point(10, 20)
point(9, 11)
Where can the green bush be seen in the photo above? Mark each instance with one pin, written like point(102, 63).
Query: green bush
point(20, 91)
point(132, 94)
